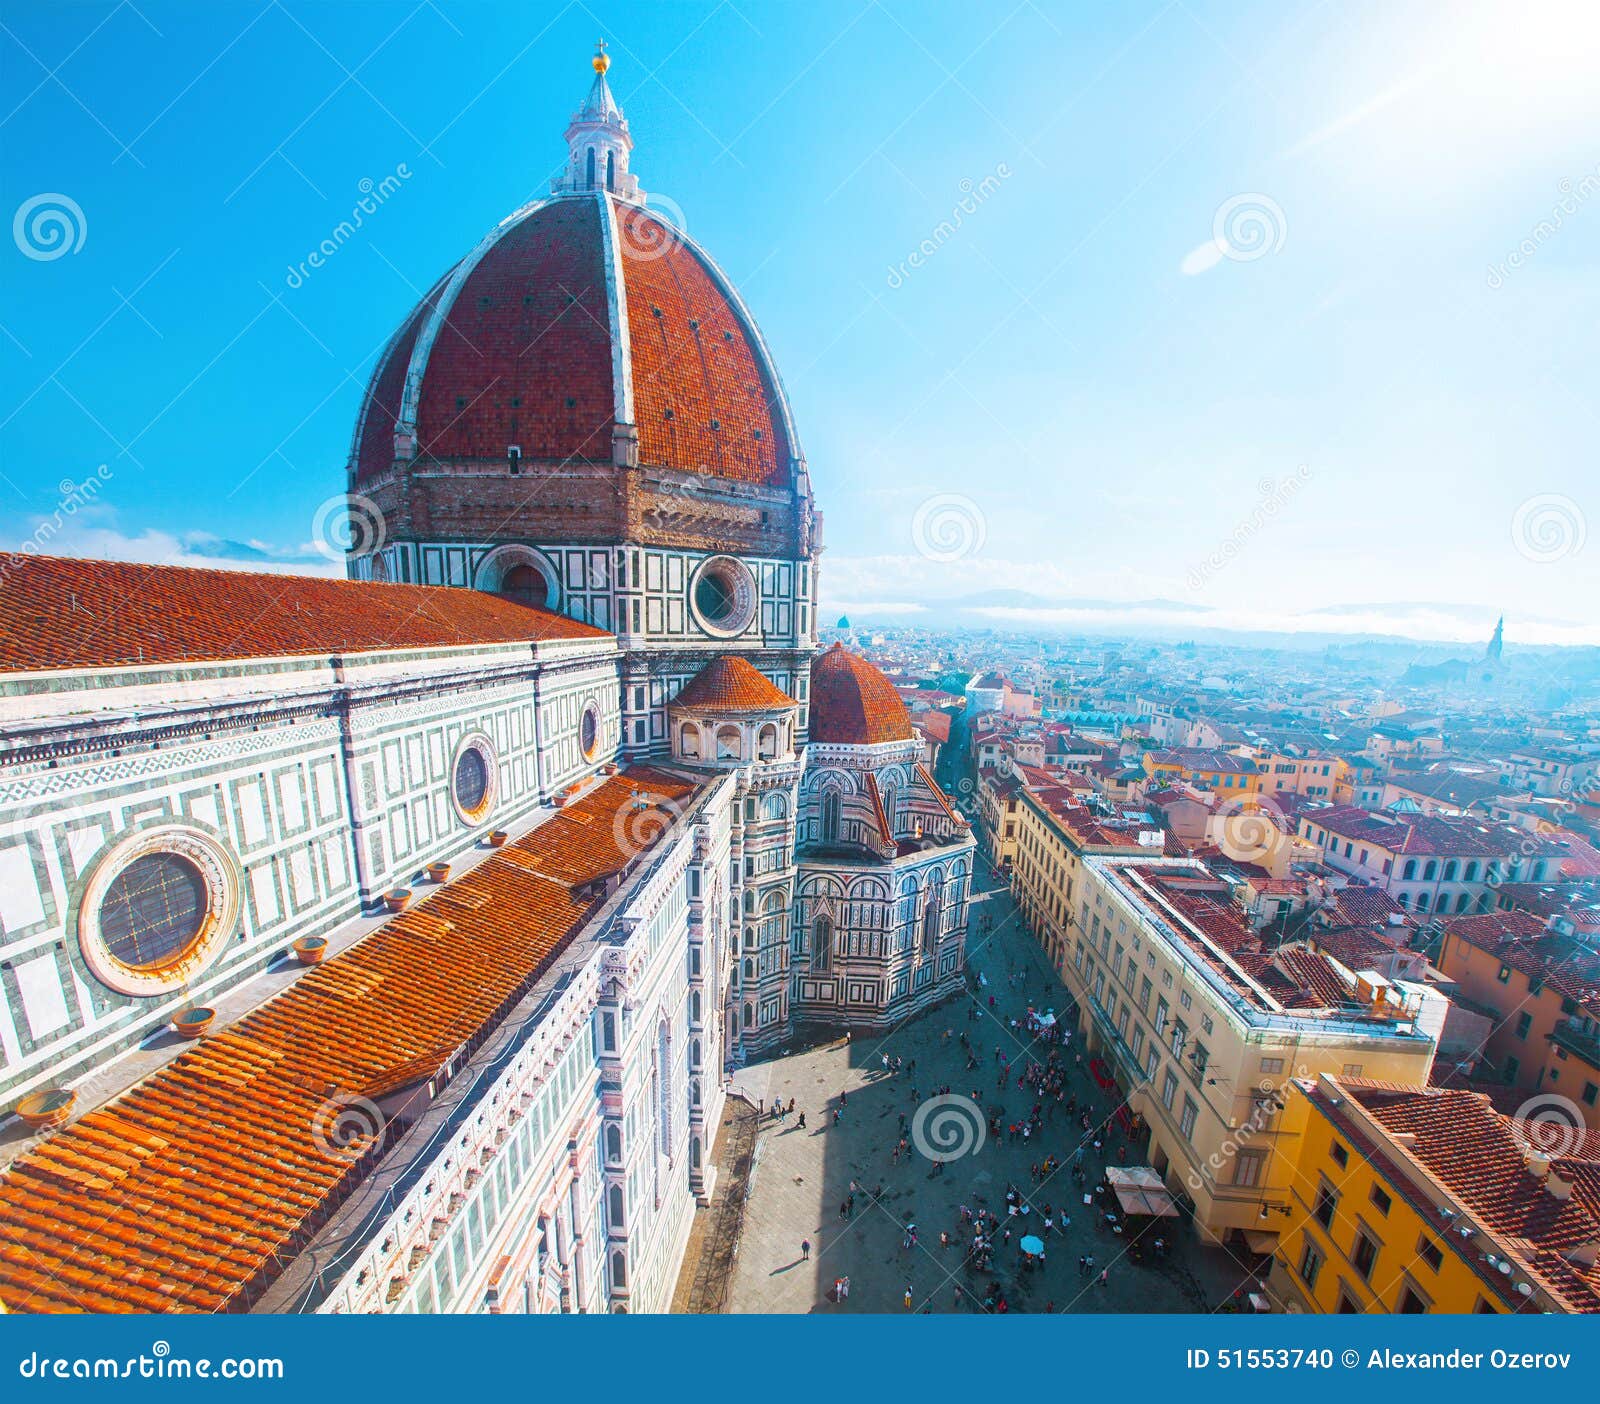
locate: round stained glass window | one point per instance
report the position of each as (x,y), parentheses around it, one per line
(153,911)
(589,733)
(472,780)
(713,597)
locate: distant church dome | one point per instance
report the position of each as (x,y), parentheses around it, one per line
(583,327)
(853,704)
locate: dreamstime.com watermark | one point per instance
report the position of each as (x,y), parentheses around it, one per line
(74,498)
(948,1127)
(1573,195)
(373,195)
(973,195)
(159,1364)
(1276,494)
(49,226)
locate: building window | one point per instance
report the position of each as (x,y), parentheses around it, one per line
(1364,1257)
(1310,1263)
(728,743)
(1169,1089)
(1412,1302)
(1247,1168)
(830,816)
(589,732)
(1429,1252)
(1351,1070)
(1272,1065)
(1524,1023)
(1341,1156)
(471,784)
(526,585)
(1326,1204)
(1187,1120)
(821,944)
(153,911)
(1381,1199)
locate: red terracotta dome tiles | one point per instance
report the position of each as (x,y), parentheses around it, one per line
(853,704)
(731,684)
(701,399)
(524,355)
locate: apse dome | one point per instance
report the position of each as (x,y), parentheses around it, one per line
(853,704)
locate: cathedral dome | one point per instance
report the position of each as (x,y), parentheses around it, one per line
(853,704)
(731,684)
(584,328)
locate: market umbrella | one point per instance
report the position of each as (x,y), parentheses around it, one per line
(1032,1244)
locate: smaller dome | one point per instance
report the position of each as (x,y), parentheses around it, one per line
(730,684)
(853,704)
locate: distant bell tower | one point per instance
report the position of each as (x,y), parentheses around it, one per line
(1497,643)
(598,143)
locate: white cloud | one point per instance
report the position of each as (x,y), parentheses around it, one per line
(1201,259)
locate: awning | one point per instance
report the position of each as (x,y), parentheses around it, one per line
(1259,1242)
(1140,1190)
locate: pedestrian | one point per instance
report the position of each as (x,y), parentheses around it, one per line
(844,1288)
(801,1124)
(1104,1273)
(805,1250)
(908,1296)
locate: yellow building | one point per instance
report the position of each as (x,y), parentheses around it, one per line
(1420,1199)
(1318,776)
(1201,1026)
(1221,771)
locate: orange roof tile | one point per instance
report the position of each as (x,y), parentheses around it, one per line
(57,612)
(853,704)
(191,1191)
(730,684)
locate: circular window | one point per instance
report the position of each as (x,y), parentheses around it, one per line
(153,910)
(156,908)
(589,732)
(525,584)
(723,596)
(472,778)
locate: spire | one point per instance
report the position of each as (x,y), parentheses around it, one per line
(598,143)
(1497,643)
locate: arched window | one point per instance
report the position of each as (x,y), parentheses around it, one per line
(775,806)
(619,1259)
(821,944)
(1450,871)
(611,170)
(1422,901)
(749,1015)
(1429,871)
(1462,901)
(767,742)
(664,1087)
(1404,899)
(589,183)
(613,1143)
(930,922)
(1410,869)
(614,1207)
(1471,873)
(830,816)
(526,585)
(1536,873)
(728,743)
(689,740)
(891,798)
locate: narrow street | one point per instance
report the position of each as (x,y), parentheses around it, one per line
(801,1178)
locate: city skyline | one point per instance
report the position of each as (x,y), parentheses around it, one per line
(1366,344)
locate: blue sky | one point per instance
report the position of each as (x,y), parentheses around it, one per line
(1379,414)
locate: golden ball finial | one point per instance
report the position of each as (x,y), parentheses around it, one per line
(602,60)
